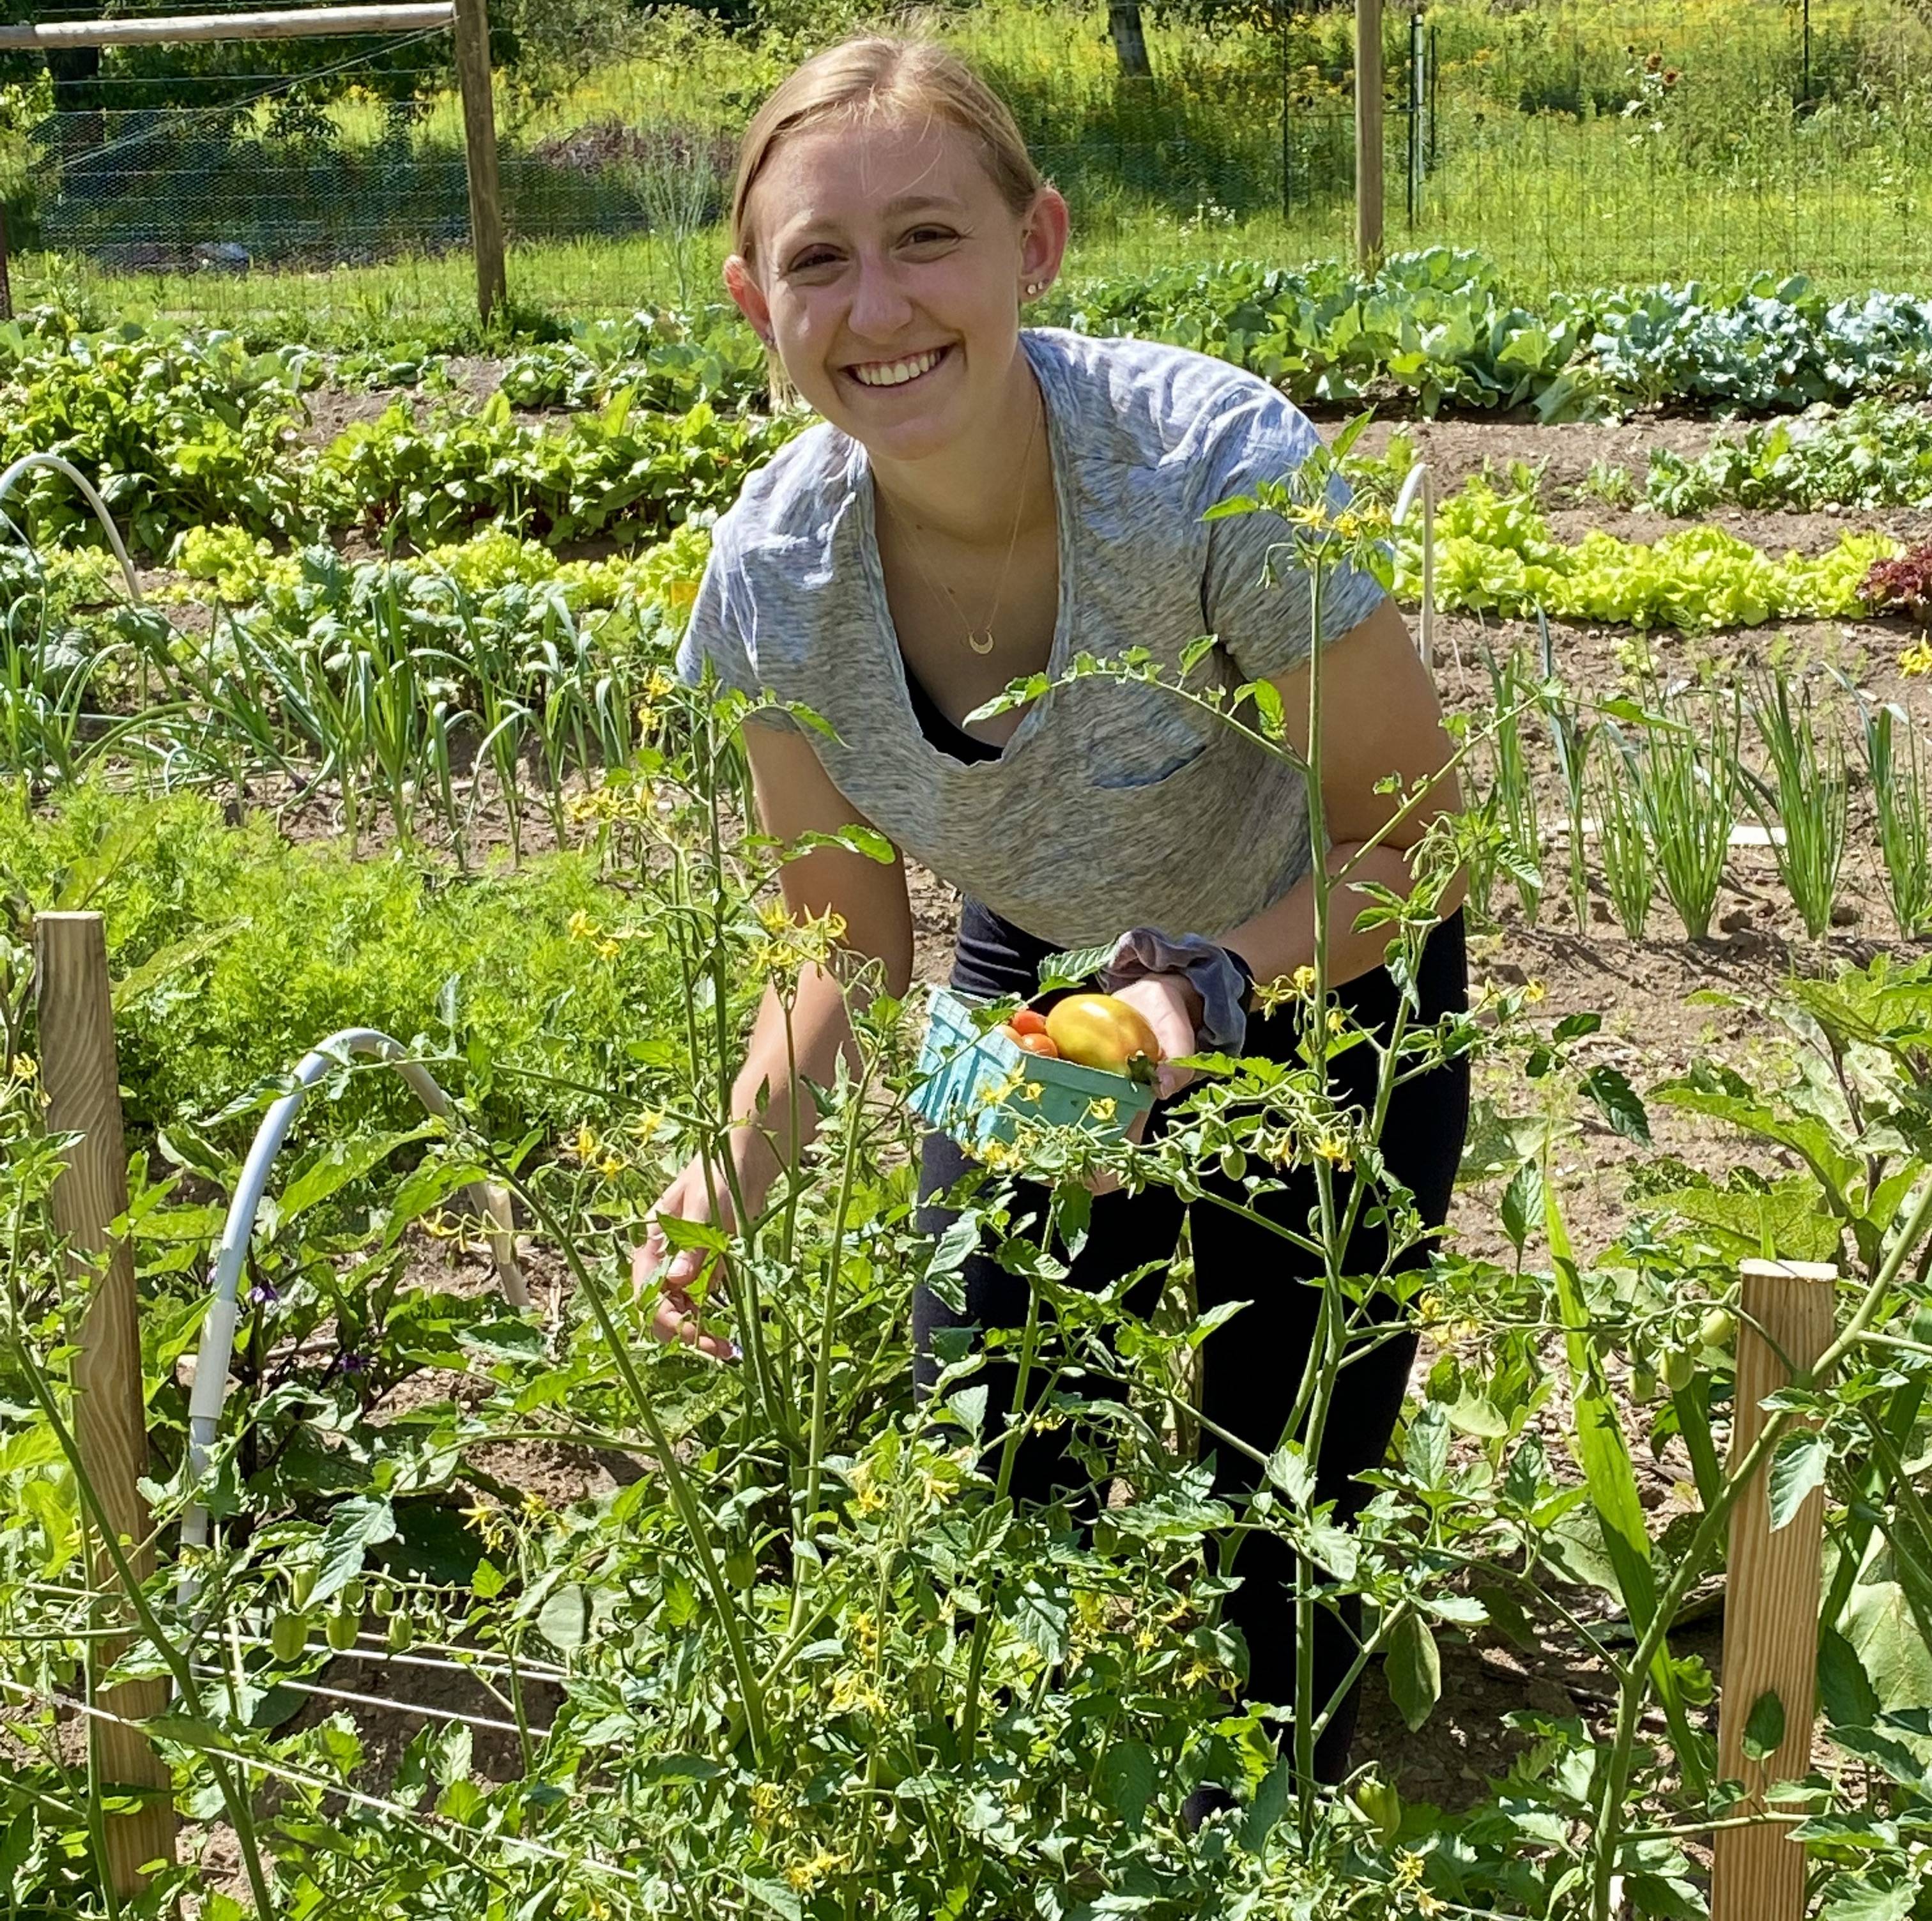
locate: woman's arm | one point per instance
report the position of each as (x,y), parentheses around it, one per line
(1379,716)
(795,796)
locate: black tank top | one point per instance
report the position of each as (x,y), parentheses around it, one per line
(991,955)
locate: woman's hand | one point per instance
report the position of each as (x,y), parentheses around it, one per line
(689,1198)
(1169,1005)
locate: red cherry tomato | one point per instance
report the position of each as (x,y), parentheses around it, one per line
(1041,1044)
(1028,1020)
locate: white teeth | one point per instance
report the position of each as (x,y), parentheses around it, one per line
(895,373)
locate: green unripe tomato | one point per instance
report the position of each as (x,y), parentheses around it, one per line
(1680,1369)
(343,1627)
(1717,1329)
(402,1631)
(1234,1163)
(382,1600)
(288,1636)
(1643,1384)
(741,1567)
(1382,1803)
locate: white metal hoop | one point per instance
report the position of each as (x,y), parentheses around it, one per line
(231,1252)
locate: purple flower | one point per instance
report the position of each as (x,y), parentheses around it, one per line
(353,1363)
(263,1294)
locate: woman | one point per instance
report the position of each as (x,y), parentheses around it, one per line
(980,503)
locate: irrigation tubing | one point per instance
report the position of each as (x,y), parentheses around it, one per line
(231,1252)
(27,462)
(1421,482)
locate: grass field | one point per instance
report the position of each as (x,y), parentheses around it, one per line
(1574,145)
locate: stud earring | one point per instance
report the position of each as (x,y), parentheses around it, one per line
(1035,288)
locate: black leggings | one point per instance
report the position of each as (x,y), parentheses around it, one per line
(1252,1363)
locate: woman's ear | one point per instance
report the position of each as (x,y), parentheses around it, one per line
(1043,237)
(744,288)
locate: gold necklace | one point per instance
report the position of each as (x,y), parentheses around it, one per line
(979,645)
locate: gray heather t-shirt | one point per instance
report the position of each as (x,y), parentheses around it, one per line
(1112,805)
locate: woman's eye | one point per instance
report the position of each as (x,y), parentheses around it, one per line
(924,236)
(817,257)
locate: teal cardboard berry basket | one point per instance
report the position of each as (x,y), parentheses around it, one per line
(979,1087)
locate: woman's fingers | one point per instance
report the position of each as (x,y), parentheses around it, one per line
(676,1323)
(675,1319)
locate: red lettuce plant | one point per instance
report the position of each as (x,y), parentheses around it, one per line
(1903,586)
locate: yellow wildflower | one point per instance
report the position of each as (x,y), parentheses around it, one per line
(1534,991)
(580,926)
(25,1067)
(804,1876)
(438,1225)
(1916,660)
(1332,1148)
(851,1689)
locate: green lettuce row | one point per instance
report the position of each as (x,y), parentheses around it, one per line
(1494,554)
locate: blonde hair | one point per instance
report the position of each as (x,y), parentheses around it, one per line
(878,78)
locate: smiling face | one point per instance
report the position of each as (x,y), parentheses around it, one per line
(888,270)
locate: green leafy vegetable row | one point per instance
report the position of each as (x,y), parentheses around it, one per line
(1495,553)
(1871,455)
(1438,329)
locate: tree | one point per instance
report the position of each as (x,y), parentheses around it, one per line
(1124,23)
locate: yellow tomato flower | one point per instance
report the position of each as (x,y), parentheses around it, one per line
(1916,660)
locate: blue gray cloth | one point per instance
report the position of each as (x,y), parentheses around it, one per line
(1114,804)
(1214,973)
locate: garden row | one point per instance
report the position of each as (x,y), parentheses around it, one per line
(185,430)
(1660,779)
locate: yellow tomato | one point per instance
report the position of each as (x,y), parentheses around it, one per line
(1102,1030)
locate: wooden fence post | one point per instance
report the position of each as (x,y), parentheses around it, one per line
(79,1072)
(1771,1598)
(479,137)
(1368,134)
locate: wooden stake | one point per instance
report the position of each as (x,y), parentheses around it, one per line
(6,270)
(1368,134)
(1770,1599)
(291,23)
(479,136)
(80,1073)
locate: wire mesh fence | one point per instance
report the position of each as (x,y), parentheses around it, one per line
(1575,141)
